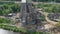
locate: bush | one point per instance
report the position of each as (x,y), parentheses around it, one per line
(6,8)
(49,7)
(5,20)
(34,32)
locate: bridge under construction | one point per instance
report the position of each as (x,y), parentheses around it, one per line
(28,12)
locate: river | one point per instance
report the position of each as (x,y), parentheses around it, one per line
(2,31)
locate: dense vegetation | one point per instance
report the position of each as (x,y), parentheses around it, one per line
(5,20)
(47,0)
(6,8)
(33,0)
(49,7)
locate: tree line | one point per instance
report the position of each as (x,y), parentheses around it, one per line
(47,0)
(49,7)
(6,8)
(35,0)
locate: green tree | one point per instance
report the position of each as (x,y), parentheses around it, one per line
(15,8)
(5,12)
(4,20)
(7,8)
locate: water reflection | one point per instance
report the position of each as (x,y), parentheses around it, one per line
(2,31)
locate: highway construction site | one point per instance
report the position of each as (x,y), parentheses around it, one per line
(30,19)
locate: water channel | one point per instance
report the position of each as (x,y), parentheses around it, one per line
(2,31)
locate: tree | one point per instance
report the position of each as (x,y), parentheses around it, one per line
(7,8)
(4,20)
(5,12)
(56,9)
(15,8)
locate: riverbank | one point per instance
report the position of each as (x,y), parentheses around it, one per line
(15,29)
(12,28)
